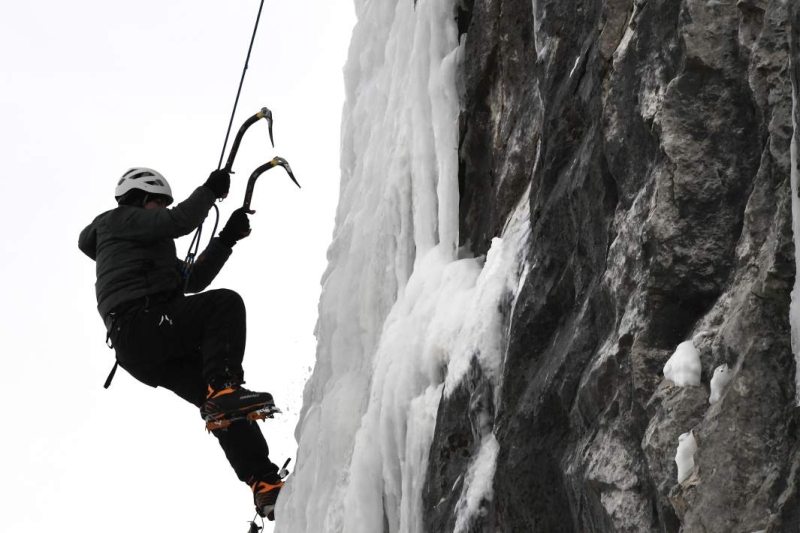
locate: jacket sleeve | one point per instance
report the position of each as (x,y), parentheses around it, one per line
(87,242)
(207,265)
(154,224)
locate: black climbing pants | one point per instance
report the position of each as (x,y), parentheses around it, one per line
(180,344)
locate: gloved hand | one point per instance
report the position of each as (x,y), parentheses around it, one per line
(237,227)
(219,181)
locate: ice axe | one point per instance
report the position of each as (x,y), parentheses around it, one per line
(251,183)
(195,244)
(263,113)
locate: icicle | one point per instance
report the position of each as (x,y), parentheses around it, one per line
(794,310)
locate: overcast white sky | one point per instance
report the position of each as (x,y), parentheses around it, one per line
(87,89)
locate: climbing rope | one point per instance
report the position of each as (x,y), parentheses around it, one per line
(188,262)
(241,82)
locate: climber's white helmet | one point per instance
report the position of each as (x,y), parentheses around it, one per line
(145,179)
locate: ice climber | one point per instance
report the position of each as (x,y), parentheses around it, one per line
(192,345)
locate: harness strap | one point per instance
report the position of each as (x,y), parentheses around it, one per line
(112,319)
(122,312)
(107,384)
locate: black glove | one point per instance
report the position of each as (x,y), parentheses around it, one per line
(219,181)
(237,228)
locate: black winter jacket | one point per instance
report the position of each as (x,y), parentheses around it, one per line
(135,254)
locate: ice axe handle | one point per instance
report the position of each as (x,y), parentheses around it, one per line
(263,113)
(251,183)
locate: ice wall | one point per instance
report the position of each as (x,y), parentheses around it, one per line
(398,212)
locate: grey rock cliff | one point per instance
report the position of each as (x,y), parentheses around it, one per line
(653,139)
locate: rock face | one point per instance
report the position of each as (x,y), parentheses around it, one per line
(653,139)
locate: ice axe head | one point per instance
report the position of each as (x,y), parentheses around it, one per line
(267,114)
(263,113)
(279,161)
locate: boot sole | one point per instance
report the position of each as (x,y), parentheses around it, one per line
(224,420)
